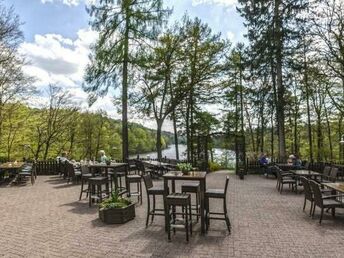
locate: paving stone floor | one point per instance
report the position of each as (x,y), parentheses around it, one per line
(47,220)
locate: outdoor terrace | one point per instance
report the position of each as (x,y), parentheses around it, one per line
(47,220)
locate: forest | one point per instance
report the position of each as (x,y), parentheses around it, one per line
(281,90)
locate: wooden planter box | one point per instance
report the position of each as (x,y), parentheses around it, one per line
(118,215)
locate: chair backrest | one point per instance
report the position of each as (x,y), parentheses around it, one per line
(84,169)
(278,174)
(316,193)
(334,172)
(140,166)
(327,171)
(307,165)
(70,169)
(226,185)
(307,188)
(148,181)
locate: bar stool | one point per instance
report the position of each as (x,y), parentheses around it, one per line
(119,176)
(182,200)
(153,191)
(217,194)
(95,186)
(85,175)
(193,187)
(134,179)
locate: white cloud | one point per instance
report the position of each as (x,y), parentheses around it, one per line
(217,2)
(58,60)
(231,36)
(69,2)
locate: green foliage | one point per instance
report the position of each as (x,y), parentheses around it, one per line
(214,166)
(184,167)
(115,201)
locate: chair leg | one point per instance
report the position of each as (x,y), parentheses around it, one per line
(186,223)
(226,215)
(169,223)
(140,193)
(206,214)
(148,209)
(190,216)
(90,196)
(333,212)
(153,208)
(321,215)
(82,189)
(304,204)
(310,211)
(313,211)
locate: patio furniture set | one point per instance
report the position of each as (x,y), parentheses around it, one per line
(179,210)
(320,189)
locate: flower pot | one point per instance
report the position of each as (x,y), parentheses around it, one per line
(185,172)
(117,215)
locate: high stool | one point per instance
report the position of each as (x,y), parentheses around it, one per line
(152,191)
(182,200)
(193,187)
(84,181)
(119,176)
(95,186)
(134,179)
(217,194)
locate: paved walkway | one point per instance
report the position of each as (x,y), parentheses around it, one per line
(46,220)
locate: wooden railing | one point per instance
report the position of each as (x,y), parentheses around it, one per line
(47,167)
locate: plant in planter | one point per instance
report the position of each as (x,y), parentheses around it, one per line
(116,209)
(184,167)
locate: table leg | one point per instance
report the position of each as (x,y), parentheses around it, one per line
(165,206)
(202,200)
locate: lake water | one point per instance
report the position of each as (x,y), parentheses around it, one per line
(223,156)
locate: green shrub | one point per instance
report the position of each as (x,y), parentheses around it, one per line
(213,166)
(114,201)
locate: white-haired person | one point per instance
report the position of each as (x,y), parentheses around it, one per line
(103,157)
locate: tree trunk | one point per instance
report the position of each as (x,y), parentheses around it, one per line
(329,133)
(280,86)
(175,134)
(125,140)
(158,139)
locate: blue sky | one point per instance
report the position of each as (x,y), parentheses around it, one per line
(57,39)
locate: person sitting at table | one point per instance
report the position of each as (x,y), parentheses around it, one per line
(297,162)
(63,158)
(103,157)
(291,159)
(263,161)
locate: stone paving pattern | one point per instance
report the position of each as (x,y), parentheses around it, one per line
(47,220)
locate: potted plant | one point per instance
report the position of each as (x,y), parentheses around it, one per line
(116,209)
(184,167)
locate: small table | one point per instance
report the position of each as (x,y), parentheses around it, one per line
(12,166)
(339,187)
(190,176)
(305,173)
(114,166)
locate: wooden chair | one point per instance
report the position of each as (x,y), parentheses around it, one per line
(85,175)
(174,200)
(285,178)
(28,171)
(308,193)
(324,201)
(217,194)
(153,191)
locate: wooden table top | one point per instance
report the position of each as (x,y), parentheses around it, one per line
(12,165)
(192,175)
(339,187)
(155,163)
(103,165)
(304,172)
